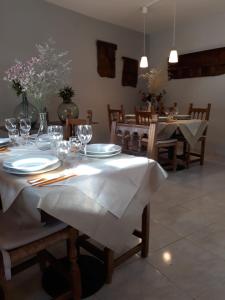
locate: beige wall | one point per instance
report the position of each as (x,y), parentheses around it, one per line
(23,23)
(204,34)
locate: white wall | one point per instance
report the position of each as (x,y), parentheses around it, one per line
(25,23)
(205,34)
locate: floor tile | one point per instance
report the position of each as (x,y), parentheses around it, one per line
(139,280)
(189,267)
(161,236)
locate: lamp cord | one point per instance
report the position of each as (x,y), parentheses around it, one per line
(174,23)
(144,33)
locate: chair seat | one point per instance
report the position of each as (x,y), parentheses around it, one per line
(160,142)
(12,236)
(169,141)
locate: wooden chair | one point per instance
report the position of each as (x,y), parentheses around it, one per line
(142,117)
(201,114)
(71,123)
(34,244)
(115,115)
(107,255)
(170,145)
(70,126)
(90,117)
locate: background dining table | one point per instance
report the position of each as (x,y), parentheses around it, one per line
(191,129)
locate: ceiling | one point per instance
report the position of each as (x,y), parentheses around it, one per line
(127,13)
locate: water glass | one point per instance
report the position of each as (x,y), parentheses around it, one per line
(55,133)
(14,136)
(63,149)
(84,133)
(75,144)
(10,124)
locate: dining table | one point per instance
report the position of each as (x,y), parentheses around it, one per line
(190,129)
(103,198)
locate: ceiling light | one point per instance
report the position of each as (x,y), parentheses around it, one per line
(144,59)
(173,58)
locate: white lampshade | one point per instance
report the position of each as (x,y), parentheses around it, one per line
(144,62)
(173,58)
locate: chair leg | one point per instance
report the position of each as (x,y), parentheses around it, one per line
(187,156)
(145,231)
(109,263)
(75,272)
(202,152)
(174,162)
(42,261)
(2,294)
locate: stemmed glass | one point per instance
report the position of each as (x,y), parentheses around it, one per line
(84,133)
(25,127)
(11,126)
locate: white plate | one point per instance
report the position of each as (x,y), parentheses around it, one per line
(4,141)
(102,149)
(102,155)
(182,117)
(163,118)
(30,163)
(48,169)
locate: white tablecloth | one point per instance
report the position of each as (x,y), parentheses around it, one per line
(105,201)
(192,129)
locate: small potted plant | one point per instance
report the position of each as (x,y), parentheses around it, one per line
(67,107)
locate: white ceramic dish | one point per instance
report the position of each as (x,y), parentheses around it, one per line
(163,119)
(48,169)
(182,117)
(102,149)
(102,155)
(4,142)
(30,163)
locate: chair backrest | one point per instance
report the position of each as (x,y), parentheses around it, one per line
(130,137)
(70,126)
(200,113)
(143,117)
(115,115)
(90,117)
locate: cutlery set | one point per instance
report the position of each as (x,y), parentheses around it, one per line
(44,181)
(4,149)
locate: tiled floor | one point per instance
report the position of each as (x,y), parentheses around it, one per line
(187,245)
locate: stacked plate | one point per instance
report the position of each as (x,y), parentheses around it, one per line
(182,117)
(102,150)
(4,142)
(31,164)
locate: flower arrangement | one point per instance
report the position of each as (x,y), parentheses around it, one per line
(41,76)
(66,93)
(155,80)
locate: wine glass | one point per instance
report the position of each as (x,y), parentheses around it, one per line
(25,127)
(10,124)
(84,133)
(55,133)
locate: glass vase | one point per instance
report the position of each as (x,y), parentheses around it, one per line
(26,110)
(42,139)
(67,108)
